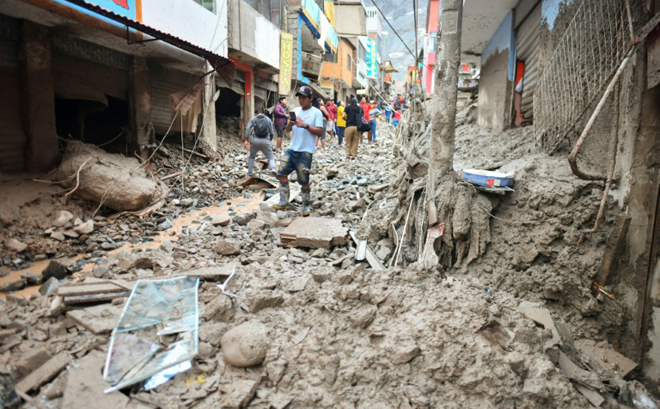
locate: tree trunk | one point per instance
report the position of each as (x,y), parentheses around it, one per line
(462,211)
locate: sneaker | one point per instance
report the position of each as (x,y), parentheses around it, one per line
(273,173)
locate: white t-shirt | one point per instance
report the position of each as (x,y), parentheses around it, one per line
(301,139)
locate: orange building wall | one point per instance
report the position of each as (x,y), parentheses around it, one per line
(339,70)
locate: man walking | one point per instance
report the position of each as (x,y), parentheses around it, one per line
(352,115)
(298,158)
(280,120)
(341,123)
(373,123)
(332,114)
(263,133)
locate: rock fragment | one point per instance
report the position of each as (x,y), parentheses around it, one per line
(238,394)
(15,245)
(228,248)
(245,345)
(62,217)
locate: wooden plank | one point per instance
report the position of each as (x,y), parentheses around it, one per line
(44,373)
(613,248)
(371,257)
(94,298)
(210,273)
(361,250)
(102,287)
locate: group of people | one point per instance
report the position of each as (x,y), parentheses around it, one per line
(309,124)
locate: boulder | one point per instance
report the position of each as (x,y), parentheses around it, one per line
(245,345)
(15,245)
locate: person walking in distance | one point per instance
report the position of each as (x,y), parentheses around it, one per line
(365,109)
(341,122)
(306,124)
(332,114)
(280,120)
(352,114)
(263,133)
(373,124)
(318,104)
(388,113)
(397,117)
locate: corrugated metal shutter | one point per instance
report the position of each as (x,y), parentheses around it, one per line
(527,50)
(77,78)
(12,138)
(164,81)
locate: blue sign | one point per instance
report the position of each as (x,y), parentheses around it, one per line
(372,59)
(126,8)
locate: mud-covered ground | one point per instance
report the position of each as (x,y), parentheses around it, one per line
(334,332)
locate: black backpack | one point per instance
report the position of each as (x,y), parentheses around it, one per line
(362,123)
(261,126)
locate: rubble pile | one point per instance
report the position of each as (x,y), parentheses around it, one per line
(325,321)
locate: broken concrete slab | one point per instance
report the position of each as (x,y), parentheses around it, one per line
(100,319)
(542,316)
(92,292)
(31,360)
(215,273)
(44,373)
(238,394)
(608,358)
(85,386)
(315,232)
(228,248)
(220,220)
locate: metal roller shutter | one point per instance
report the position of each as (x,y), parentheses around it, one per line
(164,81)
(527,50)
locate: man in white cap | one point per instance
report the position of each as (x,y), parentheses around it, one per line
(307,126)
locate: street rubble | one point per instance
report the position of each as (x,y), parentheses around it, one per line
(330,311)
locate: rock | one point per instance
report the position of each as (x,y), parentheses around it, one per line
(62,217)
(15,245)
(319,253)
(71,234)
(243,218)
(31,278)
(220,220)
(49,286)
(384,253)
(13,285)
(187,202)
(219,309)
(405,353)
(164,225)
(238,394)
(363,316)
(85,228)
(262,301)
(32,359)
(256,226)
(245,345)
(57,236)
(56,268)
(228,248)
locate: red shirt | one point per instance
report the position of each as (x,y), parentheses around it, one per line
(397,115)
(332,111)
(365,109)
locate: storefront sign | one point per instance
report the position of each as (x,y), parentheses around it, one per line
(286,61)
(372,59)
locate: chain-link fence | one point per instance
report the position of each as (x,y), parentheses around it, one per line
(585,58)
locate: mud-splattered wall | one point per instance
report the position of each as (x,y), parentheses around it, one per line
(497,65)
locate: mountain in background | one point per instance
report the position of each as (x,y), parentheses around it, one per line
(401,14)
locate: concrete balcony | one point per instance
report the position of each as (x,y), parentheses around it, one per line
(311,65)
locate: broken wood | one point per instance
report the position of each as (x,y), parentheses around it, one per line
(201,155)
(340,260)
(370,256)
(216,273)
(613,248)
(170,176)
(361,253)
(44,373)
(429,258)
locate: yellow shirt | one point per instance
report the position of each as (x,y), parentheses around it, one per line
(341,122)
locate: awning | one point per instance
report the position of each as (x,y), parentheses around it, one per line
(223,66)
(319,25)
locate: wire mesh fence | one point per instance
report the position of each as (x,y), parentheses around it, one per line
(585,58)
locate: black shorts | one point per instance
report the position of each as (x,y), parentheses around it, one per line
(280,130)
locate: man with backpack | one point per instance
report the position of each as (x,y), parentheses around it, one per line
(263,133)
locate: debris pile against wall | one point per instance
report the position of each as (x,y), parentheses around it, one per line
(329,327)
(114,180)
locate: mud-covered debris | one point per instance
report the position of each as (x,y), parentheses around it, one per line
(15,245)
(44,373)
(58,269)
(245,345)
(85,386)
(100,319)
(315,232)
(238,394)
(228,248)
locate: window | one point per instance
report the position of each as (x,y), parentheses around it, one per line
(349,60)
(432,40)
(207,4)
(330,57)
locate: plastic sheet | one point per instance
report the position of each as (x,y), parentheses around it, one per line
(157,332)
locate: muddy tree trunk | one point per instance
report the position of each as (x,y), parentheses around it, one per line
(462,211)
(448,54)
